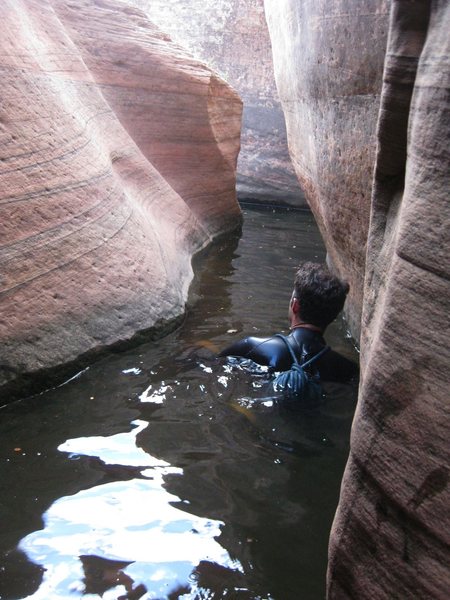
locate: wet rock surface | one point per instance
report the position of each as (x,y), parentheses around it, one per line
(391,533)
(231,36)
(328,60)
(118,154)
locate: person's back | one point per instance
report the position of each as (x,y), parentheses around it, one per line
(317,299)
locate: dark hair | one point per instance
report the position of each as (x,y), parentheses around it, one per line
(321,295)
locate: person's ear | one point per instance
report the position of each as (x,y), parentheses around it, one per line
(295,305)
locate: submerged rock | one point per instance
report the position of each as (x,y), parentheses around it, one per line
(118,161)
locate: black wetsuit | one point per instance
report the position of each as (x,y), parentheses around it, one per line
(305,343)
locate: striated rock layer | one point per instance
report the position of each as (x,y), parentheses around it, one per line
(328,59)
(390,538)
(117,162)
(391,535)
(232,37)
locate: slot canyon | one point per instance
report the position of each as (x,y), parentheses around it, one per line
(122,156)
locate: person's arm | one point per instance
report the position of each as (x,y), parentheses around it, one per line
(264,351)
(241,348)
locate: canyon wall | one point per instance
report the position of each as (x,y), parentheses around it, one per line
(391,535)
(373,157)
(328,59)
(117,162)
(232,37)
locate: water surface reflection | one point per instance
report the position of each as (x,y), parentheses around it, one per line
(159,474)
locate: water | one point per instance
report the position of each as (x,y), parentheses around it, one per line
(156,474)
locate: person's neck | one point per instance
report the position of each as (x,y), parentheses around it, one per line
(301,325)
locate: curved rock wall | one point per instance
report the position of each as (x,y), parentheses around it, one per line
(328,59)
(117,162)
(232,37)
(391,535)
(390,538)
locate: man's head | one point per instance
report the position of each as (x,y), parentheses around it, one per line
(318,295)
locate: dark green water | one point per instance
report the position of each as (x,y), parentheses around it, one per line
(155,474)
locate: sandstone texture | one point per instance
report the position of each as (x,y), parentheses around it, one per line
(391,535)
(232,37)
(381,174)
(117,162)
(328,60)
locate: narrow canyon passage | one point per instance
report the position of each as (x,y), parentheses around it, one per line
(123,152)
(164,470)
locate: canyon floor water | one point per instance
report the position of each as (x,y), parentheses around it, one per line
(164,472)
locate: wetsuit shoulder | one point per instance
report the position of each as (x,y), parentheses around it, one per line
(268,351)
(332,366)
(239,348)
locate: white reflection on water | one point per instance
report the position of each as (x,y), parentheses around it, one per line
(134,521)
(223,380)
(127,520)
(157,396)
(119,449)
(133,370)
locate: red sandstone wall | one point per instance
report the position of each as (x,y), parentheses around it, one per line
(391,535)
(328,59)
(117,162)
(231,36)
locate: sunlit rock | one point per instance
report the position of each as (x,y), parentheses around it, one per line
(328,60)
(232,37)
(392,531)
(117,162)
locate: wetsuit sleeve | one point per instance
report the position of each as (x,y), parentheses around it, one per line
(240,348)
(264,351)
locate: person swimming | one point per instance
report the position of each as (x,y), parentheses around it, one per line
(318,297)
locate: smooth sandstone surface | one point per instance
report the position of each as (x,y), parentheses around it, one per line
(390,538)
(391,535)
(117,162)
(328,60)
(232,37)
